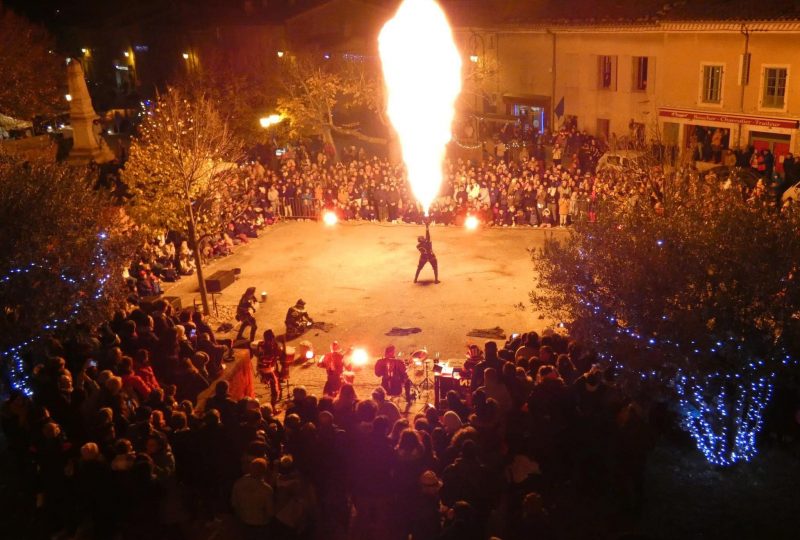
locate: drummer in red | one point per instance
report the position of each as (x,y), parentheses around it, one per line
(335,365)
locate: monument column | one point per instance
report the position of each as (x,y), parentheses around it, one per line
(86,145)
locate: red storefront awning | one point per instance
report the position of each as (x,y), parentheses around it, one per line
(728,118)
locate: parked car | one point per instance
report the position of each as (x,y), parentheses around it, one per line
(741,175)
(792,194)
(622,160)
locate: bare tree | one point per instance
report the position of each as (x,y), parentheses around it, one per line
(318,93)
(183,173)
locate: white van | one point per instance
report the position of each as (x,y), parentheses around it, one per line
(792,194)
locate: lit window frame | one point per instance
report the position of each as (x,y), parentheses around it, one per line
(612,62)
(705,87)
(641,84)
(762,94)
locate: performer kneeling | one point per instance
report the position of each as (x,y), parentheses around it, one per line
(426,255)
(297,320)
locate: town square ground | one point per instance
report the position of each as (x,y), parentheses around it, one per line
(358,279)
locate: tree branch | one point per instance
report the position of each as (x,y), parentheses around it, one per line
(358,135)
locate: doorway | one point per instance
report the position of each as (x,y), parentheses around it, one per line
(530,114)
(776,143)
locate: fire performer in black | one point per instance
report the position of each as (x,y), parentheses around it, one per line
(426,254)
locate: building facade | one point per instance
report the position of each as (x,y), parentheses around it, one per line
(689,84)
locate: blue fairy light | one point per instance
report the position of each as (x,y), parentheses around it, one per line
(711,415)
(722,412)
(17,372)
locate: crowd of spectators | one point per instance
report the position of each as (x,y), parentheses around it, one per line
(512,186)
(114,444)
(548,183)
(522,179)
(167,257)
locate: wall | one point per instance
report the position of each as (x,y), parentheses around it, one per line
(675,59)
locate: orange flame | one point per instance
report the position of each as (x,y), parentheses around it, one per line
(422,72)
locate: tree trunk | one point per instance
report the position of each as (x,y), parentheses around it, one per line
(327,139)
(198,261)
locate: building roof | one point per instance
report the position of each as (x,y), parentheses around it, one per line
(348,6)
(605,12)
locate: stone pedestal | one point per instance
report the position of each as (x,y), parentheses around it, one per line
(87,145)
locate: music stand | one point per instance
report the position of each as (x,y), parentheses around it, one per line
(426,384)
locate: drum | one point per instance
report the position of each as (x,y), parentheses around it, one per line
(417,362)
(419,354)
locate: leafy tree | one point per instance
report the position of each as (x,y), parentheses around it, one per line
(32,75)
(242,81)
(699,292)
(317,93)
(65,246)
(183,174)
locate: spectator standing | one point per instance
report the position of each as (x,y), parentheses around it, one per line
(252,500)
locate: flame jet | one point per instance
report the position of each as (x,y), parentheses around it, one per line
(422,72)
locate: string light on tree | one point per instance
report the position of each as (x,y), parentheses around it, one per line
(672,299)
(466,146)
(17,371)
(724,430)
(722,412)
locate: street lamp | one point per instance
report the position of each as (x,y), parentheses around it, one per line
(270,120)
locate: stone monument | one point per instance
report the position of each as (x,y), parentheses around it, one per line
(87,144)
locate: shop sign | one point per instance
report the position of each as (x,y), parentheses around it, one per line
(702,116)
